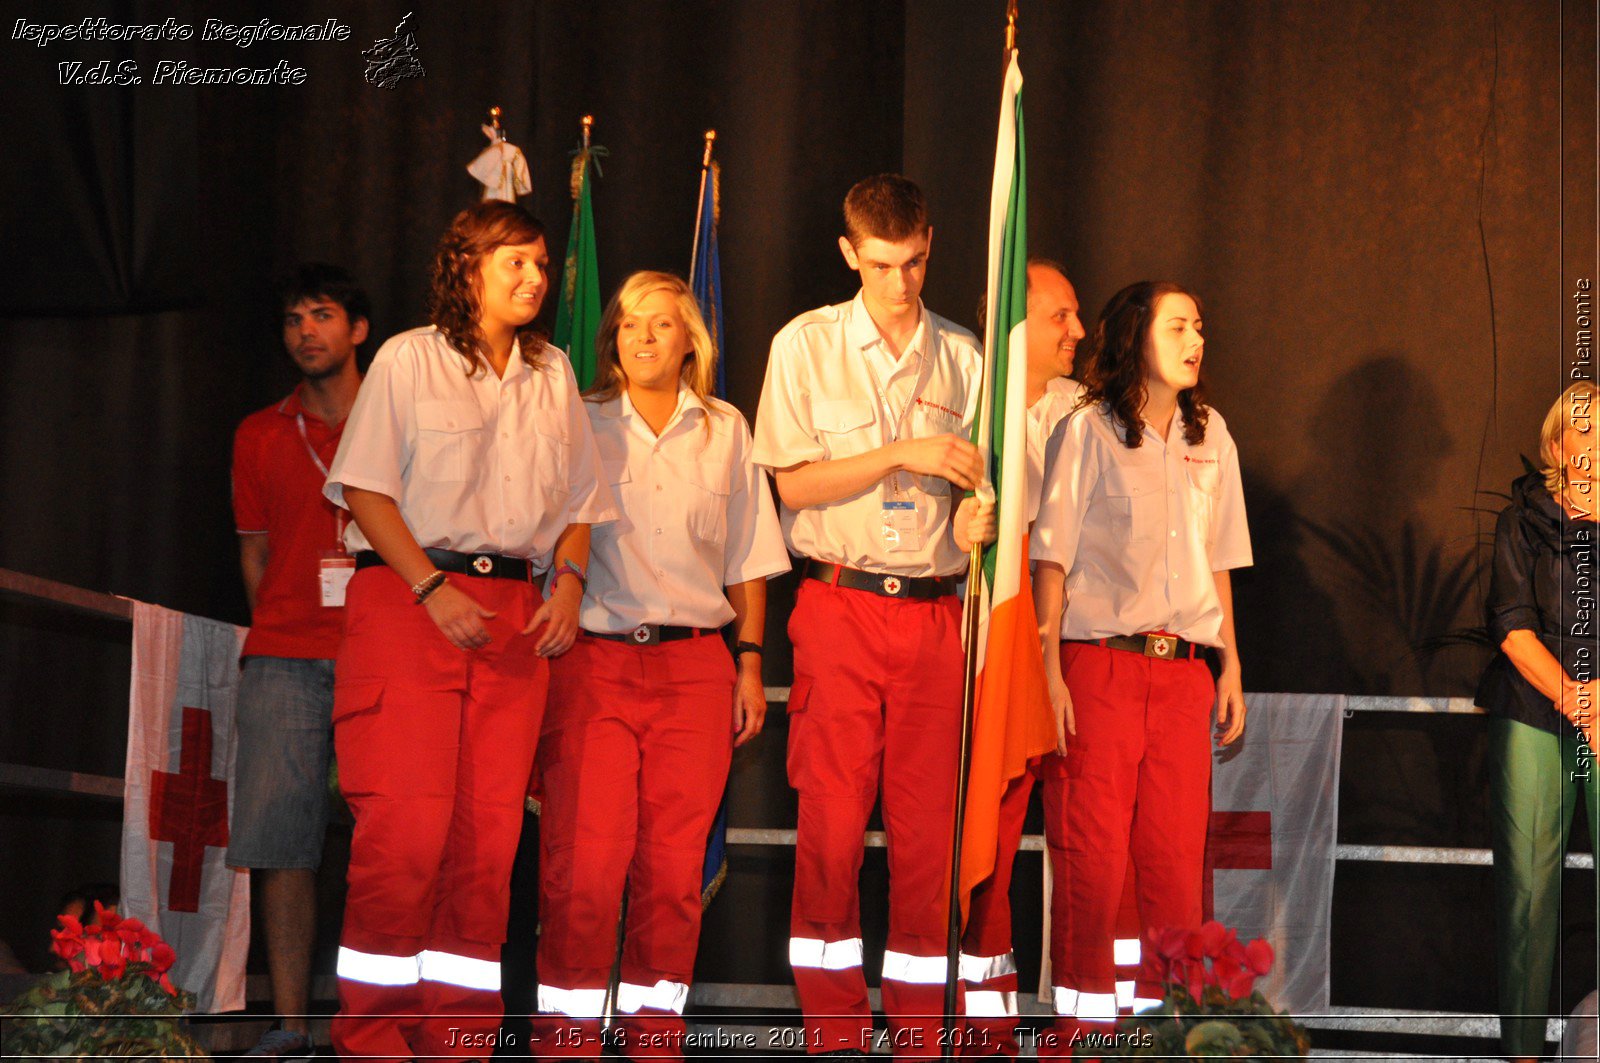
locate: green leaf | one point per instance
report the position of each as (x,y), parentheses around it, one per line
(1213,1038)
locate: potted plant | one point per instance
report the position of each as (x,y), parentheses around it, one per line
(1211,1007)
(113,999)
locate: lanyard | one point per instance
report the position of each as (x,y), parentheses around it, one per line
(316,459)
(897,420)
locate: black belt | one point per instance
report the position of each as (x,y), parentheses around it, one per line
(1161,647)
(879,583)
(487,566)
(652,634)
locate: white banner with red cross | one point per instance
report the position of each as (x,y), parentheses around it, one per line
(178,799)
(1274,833)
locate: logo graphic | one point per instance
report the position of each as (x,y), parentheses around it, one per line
(482,565)
(641,634)
(891,584)
(392,60)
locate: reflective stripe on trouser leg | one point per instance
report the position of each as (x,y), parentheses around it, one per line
(433,745)
(568,1022)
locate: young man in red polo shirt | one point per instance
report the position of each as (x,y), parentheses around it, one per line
(294,574)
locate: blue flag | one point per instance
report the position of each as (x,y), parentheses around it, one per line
(705,269)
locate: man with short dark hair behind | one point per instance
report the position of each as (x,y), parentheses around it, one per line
(294,570)
(864,422)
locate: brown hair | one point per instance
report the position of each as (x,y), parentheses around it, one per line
(455,296)
(1116,371)
(885,206)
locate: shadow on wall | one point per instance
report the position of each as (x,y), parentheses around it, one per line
(1378,577)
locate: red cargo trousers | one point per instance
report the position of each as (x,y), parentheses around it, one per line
(633,759)
(876,699)
(434,748)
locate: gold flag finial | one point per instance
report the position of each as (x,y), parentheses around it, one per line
(588,127)
(1011,26)
(494,123)
(711,138)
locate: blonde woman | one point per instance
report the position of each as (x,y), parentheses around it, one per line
(647,706)
(1541,694)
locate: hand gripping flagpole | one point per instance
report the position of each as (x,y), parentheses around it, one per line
(969,690)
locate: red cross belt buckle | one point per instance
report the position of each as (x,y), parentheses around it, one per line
(891,585)
(1162,646)
(483,564)
(641,634)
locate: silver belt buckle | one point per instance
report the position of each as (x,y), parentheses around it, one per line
(1161,646)
(892,586)
(645,635)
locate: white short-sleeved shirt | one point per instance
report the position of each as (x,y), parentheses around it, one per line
(1139,532)
(696,516)
(833,390)
(478,464)
(1059,398)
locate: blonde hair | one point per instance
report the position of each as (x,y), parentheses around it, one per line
(699,365)
(1576,405)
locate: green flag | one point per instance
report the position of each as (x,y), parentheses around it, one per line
(578,314)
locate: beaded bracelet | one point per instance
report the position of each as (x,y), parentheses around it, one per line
(427,585)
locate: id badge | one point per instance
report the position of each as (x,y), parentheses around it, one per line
(902,532)
(334,570)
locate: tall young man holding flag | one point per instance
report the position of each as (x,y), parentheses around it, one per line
(863,421)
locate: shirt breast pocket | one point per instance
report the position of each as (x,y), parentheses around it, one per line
(1205,484)
(1133,500)
(927,421)
(709,487)
(552,458)
(447,440)
(842,426)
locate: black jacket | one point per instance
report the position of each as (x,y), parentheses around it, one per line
(1544,581)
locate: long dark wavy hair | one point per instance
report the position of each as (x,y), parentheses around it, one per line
(455,295)
(1116,372)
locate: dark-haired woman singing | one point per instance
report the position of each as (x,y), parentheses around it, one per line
(1141,521)
(471,473)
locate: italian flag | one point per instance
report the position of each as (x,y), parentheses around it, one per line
(1011,716)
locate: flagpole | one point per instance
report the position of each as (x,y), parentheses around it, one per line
(969,682)
(700,202)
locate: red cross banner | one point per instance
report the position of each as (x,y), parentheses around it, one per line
(177,801)
(1271,846)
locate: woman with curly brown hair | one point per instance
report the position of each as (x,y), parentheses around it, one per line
(1141,521)
(471,476)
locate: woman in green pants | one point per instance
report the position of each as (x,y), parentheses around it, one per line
(1542,694)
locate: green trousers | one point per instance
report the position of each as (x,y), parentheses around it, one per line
(1534,781)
